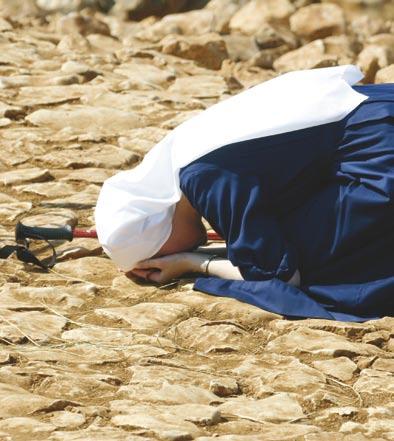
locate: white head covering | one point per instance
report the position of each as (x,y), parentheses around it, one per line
(135,207)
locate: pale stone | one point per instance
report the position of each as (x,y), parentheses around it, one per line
(382,364)
(75,23)
(80,119)
(146,317)
(22,176)
(56,217)
(370,60)
(48,189)
(105,156)
(319,342)
(36,326)
(15,401)
(95,433)
(310,56)
(169,394)
(34,96)
(24,426)
(224,387)
(318,21)
(200,414)
(212,336)
(273,372)
(69,420)
(385,75)
(88,174)
(144,74)
(255,13)
(341,368)
(197,22)
(11,210)
(75,387)
(21,298)
(202,86)
(95,270)
(277,408)
(372,381)
(86,198)
(206,50)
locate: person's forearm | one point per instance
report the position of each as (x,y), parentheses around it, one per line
(217,267)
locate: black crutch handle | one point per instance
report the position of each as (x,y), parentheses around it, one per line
(23,232)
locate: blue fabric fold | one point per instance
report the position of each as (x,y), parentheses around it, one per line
(320,200)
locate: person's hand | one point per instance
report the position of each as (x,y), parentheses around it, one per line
(163,269)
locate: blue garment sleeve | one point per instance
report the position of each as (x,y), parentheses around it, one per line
(235,206)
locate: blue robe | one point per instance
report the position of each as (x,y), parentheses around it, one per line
(320,200)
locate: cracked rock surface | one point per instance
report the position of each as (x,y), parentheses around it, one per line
(87,87)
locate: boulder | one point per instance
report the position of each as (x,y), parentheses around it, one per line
(254,14)
(75,23)
(318,21)
(310,56)
(140,9)
(188,23)
(271,36)
(74,5)
(206,50)
(223,11)
(385,75)
(371,59)
(240,47)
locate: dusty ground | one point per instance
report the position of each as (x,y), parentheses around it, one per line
(89,355)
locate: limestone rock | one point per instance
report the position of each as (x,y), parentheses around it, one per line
(140,9)
(22,176)
(104,155)
(211,336)
(17,402)
(72,5)
(255,13)
(206,50)
(224,387)
(145,317)
(201,86)
(385,75)
(372,381)
(169,394)
(272,36)
(370,60)
(82,119)
(20,298)
(24,426)
(223,11)
(318,21)
(89,174)
(277,408)
(66,419)
(96,433)
(75,23)
(240,47)
(18,327)
(319,342)
(48,189)
(341,368)
(196,22)
(90,269)
(310,56)
(384,365)
(164,425)
(266,374)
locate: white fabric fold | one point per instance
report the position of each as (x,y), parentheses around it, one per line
(135,207)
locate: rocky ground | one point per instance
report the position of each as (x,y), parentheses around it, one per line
(88,355)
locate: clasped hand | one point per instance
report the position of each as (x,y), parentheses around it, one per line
(163,269)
